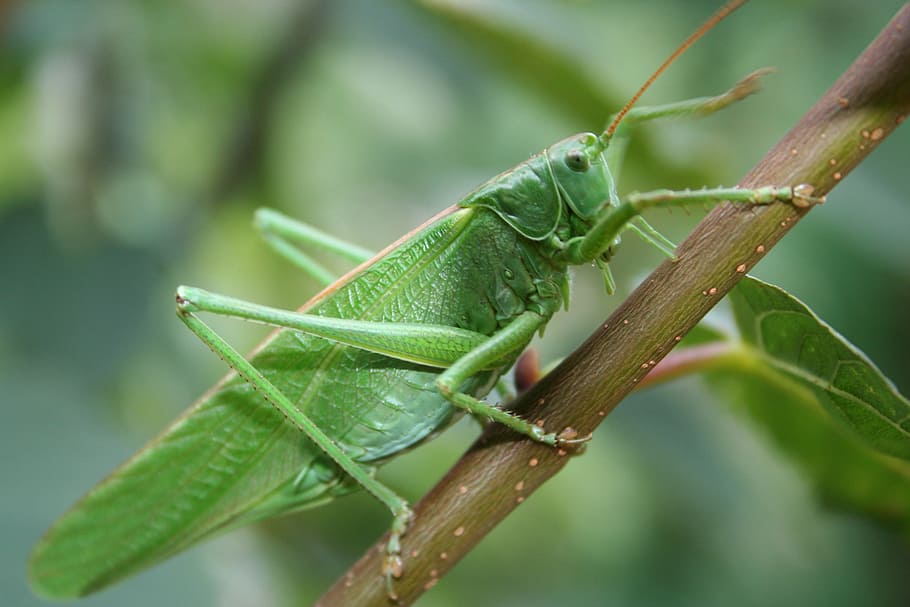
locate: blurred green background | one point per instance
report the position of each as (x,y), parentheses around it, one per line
(138,137)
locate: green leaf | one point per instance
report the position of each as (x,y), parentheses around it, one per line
(844,470)
(822,402)
(790,339)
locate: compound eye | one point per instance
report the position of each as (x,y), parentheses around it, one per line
(577,161)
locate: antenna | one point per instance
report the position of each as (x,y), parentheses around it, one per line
(725,10)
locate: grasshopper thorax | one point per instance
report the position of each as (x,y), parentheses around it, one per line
(562,187)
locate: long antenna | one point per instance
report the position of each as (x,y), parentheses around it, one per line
(725,10)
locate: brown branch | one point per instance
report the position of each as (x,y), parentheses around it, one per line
(500,470)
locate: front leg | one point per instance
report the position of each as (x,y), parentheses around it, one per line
(614,219)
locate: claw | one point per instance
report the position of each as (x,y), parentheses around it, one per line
(803,198)
(393,564)
(750,84)
(569,438)
(392,569)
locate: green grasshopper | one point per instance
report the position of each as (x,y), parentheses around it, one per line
(379,361)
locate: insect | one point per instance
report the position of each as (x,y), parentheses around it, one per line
(380,360)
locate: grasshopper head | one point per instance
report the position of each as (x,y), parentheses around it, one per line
(581,174)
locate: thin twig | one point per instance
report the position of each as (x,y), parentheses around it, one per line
(500,470)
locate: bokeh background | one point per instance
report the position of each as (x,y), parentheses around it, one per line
(136,139)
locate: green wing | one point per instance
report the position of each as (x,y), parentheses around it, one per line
(233,458)
(230,459)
